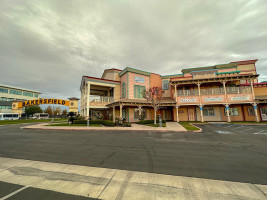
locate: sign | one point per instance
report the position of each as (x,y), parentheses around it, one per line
(240,98)
(209,99)
(139,79)
(193,100)
(43,101)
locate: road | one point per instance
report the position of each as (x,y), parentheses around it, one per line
(220,152)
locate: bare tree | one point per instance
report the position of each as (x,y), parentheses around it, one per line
(154,96)
(49,110)
(64,112)
(57,111)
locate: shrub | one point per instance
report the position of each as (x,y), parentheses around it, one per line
(149,121)
(103,122)
(126,125)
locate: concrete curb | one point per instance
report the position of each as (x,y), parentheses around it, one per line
(198,131)
(98,129)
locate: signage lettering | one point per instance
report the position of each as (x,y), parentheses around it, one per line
(43,101)
(188,100)
(213,99)
(240,98)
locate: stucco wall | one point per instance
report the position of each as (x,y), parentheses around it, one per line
(124,79)
(132,83)
(260,91)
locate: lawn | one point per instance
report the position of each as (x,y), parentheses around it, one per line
(65,124)
(20,121)
(188,126)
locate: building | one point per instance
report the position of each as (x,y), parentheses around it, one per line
(224,92)
(10,93)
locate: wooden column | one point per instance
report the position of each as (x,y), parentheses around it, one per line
(256,112)
(114,113)
(140,111)
(201,113)
(88,100)
(177,113)
(121,110)
(227,112)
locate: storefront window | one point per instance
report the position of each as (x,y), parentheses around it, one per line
(208,112)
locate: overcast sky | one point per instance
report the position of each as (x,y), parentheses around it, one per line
(49,45)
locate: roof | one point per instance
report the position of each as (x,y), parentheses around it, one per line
(137,71)
(18,88)
(101,79)
(111,69)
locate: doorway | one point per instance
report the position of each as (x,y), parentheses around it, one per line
(191,114)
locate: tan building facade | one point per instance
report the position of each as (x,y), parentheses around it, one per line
(225,92)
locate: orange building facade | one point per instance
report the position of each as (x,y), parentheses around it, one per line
(225,92)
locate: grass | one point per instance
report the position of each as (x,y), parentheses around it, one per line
(65,124)
(188,126)
(155,125)
(20,121)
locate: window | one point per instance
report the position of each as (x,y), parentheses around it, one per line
(16,92)
(3,90)
(138,91)
(232,112)
(251,111)
(165,84)
(208,112)
(29,94)
(123,90)
(3,99)
(36,95)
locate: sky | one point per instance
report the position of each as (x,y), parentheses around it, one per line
(48,45)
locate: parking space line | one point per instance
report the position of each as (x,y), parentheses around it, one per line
(259,132)
(238,127)
(230,126)
(13,193)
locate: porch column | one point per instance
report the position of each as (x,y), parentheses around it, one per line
(177,113)
(114,114)
(121,110)
(252,89)
(227,112)
(201,113)
(175,92)
(224,89)
(256,112)
(155,114)
(140,111)
(88,100)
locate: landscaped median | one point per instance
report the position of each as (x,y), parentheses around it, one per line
(190,127)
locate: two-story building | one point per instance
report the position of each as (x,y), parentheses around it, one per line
(224,92)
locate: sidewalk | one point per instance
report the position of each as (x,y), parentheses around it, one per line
(170,126)
(104,183)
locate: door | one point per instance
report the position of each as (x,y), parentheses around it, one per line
(191,114)
(264,114)
(168,114)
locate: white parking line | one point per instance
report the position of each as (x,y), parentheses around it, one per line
(259,132)
(13,193)
(229,126)
(238,127)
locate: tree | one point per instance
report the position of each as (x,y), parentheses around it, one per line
(57,111)
(49,110)
(30,110)
(64,112)
(154,96)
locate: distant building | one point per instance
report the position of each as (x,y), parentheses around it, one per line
(11,93)
(223,92)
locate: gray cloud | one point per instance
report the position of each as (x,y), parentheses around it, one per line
(48,45)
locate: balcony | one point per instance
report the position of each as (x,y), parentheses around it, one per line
(215,95)
(100,101)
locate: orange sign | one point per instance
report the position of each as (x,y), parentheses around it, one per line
(43,101)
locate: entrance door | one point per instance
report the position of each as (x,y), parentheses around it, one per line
(168,114)
(191,114)
(264,114)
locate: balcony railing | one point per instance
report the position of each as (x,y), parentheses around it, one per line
(215,91)
(100,100)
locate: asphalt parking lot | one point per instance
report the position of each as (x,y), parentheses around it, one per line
(228,152)
(228,128)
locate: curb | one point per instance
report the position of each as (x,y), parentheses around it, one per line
(72,129)
(198,131)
